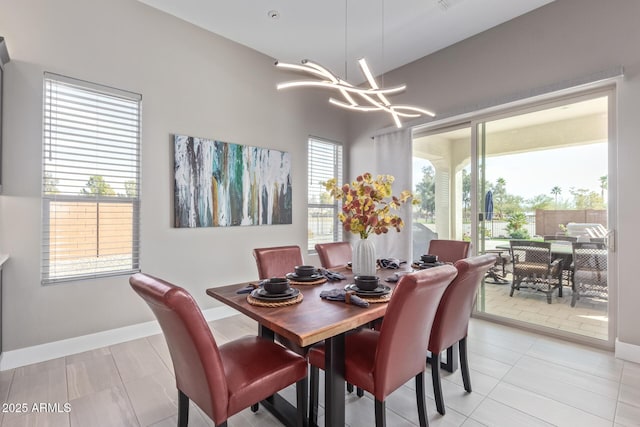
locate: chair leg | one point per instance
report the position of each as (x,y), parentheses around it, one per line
(183,409)
(421,401)
(359,391)
(435,379)
(314,373)
(255,407)
(301,401)
(452,359)
(381,417)
(464,364)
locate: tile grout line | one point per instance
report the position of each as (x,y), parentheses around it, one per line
(615,413)
(562,402)
(66,377)
(526,414)
(124,388)
(13,375)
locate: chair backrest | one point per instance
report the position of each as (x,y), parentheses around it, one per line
(527,251)
(452,318)
(449,250)
(196,360)
(277,261)
(404,334)
(590,263)
(560,238)
(335,254)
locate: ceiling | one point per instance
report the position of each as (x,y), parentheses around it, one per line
(336,33)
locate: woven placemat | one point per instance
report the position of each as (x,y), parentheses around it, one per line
(261,303)
(319,281)
(375,300)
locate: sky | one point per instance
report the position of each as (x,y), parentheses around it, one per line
(537,172)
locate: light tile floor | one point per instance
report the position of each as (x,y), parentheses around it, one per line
(518,378)
(589,317)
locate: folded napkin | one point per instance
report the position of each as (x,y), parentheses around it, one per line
(332,276)
(249,288)
(341,295)
(396,276)
(390,263)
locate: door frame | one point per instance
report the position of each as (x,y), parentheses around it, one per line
(607,87)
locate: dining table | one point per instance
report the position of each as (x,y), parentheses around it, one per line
(310,321)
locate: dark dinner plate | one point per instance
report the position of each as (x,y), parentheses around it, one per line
(423,265)
(312,278)
(262,294)
(377,292)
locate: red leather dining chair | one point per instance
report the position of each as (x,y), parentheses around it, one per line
(277,261)
(335,254)
(382,361)
(449,250)
(452,320)
(222,380)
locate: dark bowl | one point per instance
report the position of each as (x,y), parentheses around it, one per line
(276,285)
(366,283)
(429,258)
(305,270)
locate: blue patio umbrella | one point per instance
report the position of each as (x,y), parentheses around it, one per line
(488,206)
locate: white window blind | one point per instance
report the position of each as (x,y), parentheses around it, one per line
(325,162)
(91,180)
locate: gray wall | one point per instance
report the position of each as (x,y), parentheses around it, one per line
(560,42)
(192,82)
(197,83)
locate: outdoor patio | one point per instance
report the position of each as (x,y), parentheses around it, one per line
(589,316)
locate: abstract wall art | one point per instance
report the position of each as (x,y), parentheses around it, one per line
(223,184)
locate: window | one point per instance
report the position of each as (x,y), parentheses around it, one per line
(90,180)
(325,162)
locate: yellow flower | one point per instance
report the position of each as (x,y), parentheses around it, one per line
(367,204)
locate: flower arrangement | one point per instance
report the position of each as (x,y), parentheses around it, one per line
(367,204)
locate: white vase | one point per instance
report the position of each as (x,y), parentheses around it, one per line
(364,258)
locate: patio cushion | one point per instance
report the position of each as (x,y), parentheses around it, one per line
(531,269)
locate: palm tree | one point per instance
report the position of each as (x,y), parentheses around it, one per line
(556,192)
(499,197)
(604,184)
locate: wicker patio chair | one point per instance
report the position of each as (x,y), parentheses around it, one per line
(589,271)
(567,260)
(534,268)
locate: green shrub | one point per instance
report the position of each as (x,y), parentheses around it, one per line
(520,234)
(515,226)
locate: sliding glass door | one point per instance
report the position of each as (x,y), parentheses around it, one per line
(543,177)
(538,174)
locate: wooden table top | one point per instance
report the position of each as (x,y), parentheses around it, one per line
(312,320)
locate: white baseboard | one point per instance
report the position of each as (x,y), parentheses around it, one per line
(40,353)
(626,351)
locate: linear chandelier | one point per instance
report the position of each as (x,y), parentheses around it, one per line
(374,97)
